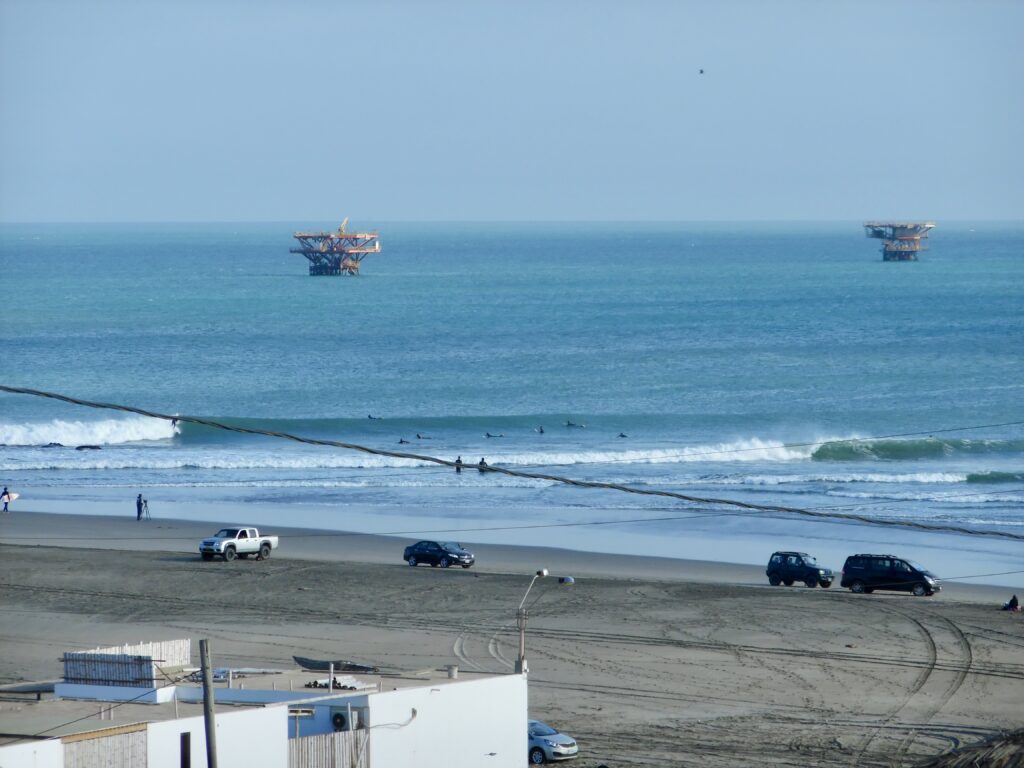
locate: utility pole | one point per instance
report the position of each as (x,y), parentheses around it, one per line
(208,702)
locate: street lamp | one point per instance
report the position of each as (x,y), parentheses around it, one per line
(522,613)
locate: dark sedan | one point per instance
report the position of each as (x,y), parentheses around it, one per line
(438,553)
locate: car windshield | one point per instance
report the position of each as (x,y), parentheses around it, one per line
(917,566)
(808,560)
(450,546)
(542,729)
(226,533)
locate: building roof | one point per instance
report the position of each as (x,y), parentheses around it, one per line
(28,719)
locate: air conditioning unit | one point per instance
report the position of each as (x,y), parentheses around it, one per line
(346,719)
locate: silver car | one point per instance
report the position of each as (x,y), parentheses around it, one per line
(548,745)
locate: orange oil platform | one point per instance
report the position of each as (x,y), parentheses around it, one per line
(336,253)
(901,240)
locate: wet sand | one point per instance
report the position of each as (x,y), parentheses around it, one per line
(646,661)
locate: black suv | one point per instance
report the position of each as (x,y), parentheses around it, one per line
(434,553)
(787,567)
(866,573)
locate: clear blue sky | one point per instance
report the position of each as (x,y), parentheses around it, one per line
(519,110)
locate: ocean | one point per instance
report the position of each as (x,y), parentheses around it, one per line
(779,364)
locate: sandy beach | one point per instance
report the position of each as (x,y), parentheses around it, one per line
(646,661)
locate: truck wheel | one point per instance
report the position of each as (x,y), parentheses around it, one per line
(824,584)
(265,552)
(774,579)
(857,587)
(207,556)
(811,582)
(229,554)
(920,590)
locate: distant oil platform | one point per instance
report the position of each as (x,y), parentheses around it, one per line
(336,253)
(901,240)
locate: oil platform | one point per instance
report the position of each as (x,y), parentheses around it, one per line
(901,240)
(336,253)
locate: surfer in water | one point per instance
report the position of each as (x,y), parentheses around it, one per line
(422,437)
(482,466)
(540,429)
(402,441)
(488,434)
(458,465)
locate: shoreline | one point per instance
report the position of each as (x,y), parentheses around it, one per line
(181,536)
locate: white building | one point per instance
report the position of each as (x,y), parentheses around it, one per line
(131,707)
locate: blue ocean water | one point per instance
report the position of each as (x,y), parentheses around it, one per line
(725,354)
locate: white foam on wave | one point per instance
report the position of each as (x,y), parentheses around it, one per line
(748,449)
(367,483)
(871,477)
(952,498)
(72,433)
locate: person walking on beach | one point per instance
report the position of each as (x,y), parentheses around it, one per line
(138,507)
(6,497)
(458,465)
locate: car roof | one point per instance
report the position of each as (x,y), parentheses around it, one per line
(787,552)
(870,555)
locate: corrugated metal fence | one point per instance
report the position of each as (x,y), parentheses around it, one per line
(344,749)
(122,750)
(130,665)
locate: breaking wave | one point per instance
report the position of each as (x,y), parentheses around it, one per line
(910,450)
(72,433)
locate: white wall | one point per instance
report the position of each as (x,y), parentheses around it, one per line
(470,722)
(113,693)
(34,754)
(255,738)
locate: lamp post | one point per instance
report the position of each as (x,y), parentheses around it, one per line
(522,614)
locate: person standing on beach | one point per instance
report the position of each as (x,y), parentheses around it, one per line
(138,507)
(6,497)
(458,465)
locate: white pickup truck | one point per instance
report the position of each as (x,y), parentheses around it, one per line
(230,543)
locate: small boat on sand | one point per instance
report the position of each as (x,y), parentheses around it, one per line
(316,665)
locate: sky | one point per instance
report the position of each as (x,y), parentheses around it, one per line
(525,110)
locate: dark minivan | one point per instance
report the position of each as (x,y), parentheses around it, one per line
(866,573)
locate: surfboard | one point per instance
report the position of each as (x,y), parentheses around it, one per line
(9,497)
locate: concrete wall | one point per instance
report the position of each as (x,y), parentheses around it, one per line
(255,738)
(194,694)
(34,754)
(114,693)
(472,722)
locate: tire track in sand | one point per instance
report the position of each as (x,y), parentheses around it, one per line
(932,689)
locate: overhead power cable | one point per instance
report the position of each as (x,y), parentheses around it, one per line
(852,517)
